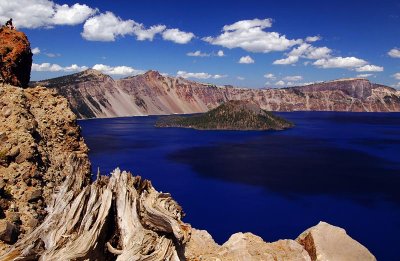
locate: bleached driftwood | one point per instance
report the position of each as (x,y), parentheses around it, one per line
(120,217)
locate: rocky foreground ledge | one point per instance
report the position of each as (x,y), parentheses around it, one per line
(51,210)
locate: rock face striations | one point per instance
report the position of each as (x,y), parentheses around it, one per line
(232,115)
(15,57)
(93,94)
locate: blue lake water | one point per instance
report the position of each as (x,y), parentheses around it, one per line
(342,168)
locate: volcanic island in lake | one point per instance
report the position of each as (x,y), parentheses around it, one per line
(232,115)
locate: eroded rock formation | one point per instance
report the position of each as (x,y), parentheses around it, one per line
(38,132)
(15,57)
(93,94)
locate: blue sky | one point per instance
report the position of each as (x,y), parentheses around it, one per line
(242,43)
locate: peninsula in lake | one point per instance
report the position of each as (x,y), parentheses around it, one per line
(232,115)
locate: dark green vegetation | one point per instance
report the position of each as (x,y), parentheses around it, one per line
(232,115)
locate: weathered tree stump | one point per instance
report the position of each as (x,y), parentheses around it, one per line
(120,217)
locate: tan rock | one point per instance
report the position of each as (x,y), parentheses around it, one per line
(14,152)
(8,232)
(326,242)
(242,247)
(201,244)
(34,195)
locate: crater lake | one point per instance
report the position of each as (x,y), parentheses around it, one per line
(342,168)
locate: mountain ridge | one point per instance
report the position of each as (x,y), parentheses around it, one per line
(93,94)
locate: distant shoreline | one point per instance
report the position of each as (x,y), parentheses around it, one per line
(187,114)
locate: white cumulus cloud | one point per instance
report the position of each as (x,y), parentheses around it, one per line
(143,34)
(198,54)
(394,53)
(248,24)
(219,76)
(324,59)
(306,51)
(76,14)
(270,76)
(287,60)
(116,70)
(250,36)
(74,68)
(35,50)
(312,39)
(369,68)
(48,67)
(43,13)
(107,27)
(177,36)
(246,60)
(316,53)
(52,55)
(366,75)
(280,83)
(199,75)
(397,76)
(340,62)
(295,78)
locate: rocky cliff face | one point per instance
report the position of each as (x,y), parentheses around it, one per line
(15,57)
(93,94)
(38,133)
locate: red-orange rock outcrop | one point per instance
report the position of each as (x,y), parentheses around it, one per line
(15,57)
